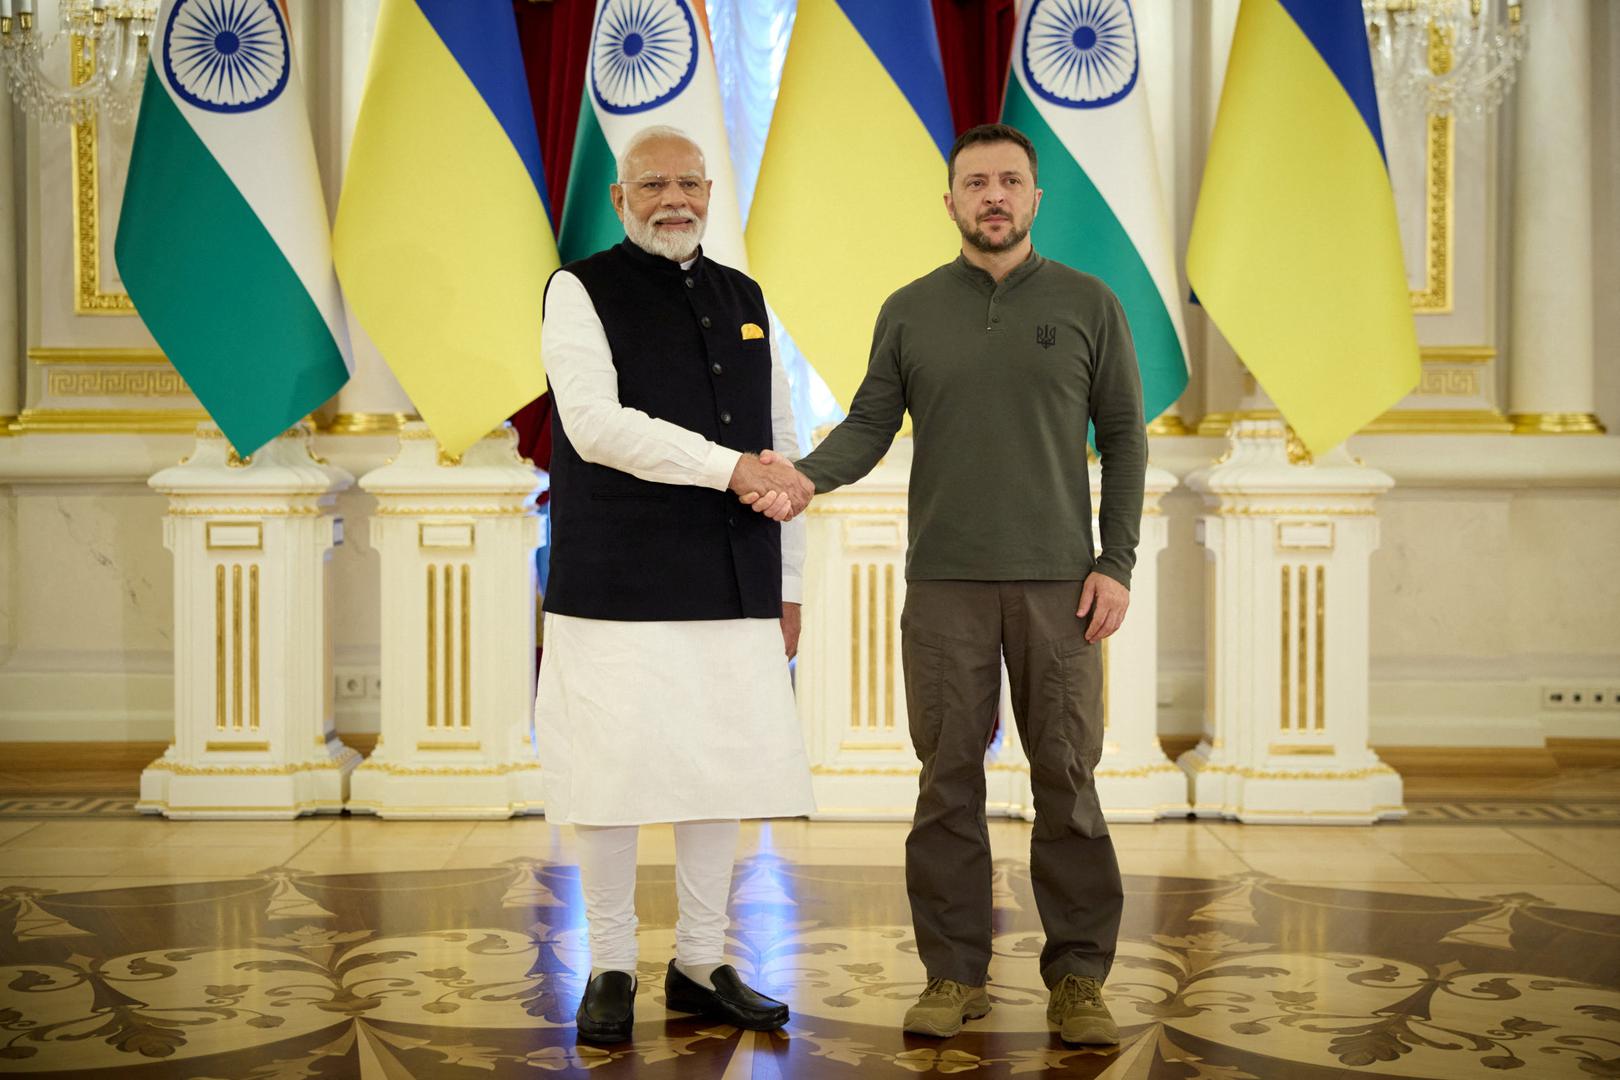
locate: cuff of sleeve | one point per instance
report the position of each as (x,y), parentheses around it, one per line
(1110,571)
(792,589)
(719,466)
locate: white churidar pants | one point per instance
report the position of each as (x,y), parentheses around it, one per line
(704,854)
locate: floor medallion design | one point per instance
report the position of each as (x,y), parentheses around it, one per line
(288,975)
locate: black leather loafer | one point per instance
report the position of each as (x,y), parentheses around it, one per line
(730,1002)
(607,1012)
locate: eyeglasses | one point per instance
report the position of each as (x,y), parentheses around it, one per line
(690,186)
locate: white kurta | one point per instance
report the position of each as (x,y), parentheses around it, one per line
(642,722)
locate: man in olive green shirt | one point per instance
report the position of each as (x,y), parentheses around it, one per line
(1003,358)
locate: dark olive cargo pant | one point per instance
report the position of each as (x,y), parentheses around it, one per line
(954,634)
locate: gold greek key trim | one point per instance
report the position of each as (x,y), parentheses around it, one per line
(88,298)
(1449,382)
(242,747)
(379,423)
(1556,424)
(392,769)
(53,356)
(110,421)
(159,383)
(1434,298)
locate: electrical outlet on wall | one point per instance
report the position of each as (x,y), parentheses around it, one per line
(350,685)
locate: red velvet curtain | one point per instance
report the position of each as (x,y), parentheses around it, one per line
(975,38)
(555,36)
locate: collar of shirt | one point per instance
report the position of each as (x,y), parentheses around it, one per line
(982,280)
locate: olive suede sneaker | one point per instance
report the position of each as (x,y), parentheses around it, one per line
(942,1007)
(1078,1011)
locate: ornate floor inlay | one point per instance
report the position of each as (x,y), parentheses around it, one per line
(291,975)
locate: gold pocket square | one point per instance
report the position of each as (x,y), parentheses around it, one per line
(750,332)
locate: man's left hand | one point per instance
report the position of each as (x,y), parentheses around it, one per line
(792,620)
(1106,600)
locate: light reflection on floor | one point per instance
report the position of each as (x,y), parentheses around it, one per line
(353,948)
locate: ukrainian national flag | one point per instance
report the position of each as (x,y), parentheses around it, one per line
(848,206)
(1294,250)
(443,240)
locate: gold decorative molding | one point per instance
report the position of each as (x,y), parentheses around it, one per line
(392,769)
(387,510)
(8,426)
(381,423)
(1296,511)
(1556,424)
(127,383)
(1434,298)
(52,356)
(242,747)
(1169,425)
(88,299)
(1457,354)
(110,421)
(1439,422)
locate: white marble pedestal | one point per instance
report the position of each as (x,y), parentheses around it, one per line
(1287,545)
(253,734)
(457,540)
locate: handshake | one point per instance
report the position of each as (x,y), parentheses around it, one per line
(771,485)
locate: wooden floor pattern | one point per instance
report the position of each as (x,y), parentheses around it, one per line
(338,947)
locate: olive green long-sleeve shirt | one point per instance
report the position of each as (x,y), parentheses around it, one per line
(1001,380)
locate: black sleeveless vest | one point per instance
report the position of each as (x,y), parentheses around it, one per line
(685,350)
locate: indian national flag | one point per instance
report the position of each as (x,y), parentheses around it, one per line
(650,63)
(223,241)
(1075,88)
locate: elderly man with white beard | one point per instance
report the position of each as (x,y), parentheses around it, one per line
(672,610)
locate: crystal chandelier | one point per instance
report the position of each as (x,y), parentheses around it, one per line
(1445,56)
(104,45)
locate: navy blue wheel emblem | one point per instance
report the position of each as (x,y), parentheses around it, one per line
(1081,54)
(227,55)
(643,53)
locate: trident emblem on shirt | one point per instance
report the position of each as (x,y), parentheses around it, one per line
(1046,336)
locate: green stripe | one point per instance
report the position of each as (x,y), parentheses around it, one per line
(1077,227)
(215,289)
(588,222)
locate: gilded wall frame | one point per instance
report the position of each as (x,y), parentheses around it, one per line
(88,296)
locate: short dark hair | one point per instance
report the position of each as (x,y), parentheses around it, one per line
(989,133)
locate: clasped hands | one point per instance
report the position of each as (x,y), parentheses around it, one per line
(771,485)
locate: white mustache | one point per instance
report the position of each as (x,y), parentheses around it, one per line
(664,219)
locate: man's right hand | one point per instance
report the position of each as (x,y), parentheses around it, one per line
(771,485)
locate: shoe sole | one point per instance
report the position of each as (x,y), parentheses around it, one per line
(942,1031)
(1093,1034)
(603,1036)
(680,1005)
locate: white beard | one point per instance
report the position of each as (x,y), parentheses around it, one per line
(674,246)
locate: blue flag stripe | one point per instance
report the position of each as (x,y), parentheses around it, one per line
(482,36)
(901,35)
(1339,33)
